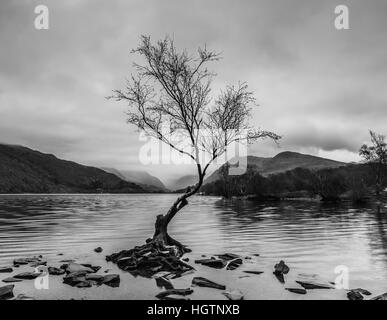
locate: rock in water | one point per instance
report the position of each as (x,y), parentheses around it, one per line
(75,267)
(381,297)
(98,250)
(213,263)
(281,268)
(11,279)
(5,270)
(6,292)
(314,285)
(234,295)
(362,291)
(23,297)
(180,292)
(354,295)
(27,275)
(253,272)
(111,280)
(227,256)
(149,259)
(203,282)
(163,282)
(55,271)
(75,278)
(297,290)
(233,264)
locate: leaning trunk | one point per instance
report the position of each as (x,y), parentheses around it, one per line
(161,236)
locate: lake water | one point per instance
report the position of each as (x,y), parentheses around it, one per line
(310,237)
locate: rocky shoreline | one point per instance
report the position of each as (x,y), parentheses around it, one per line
(163,269)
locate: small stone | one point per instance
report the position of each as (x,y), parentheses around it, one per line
(84,284)
(234,264)
(98,250)
(180,292)
(6,292)
(234,295)
(111,280)
(297,290)
(212,263)
(55,271)
(354,295)
(23,297)
(203,282)
(309,285)
(75,267)
(253,272)
(5,270)
(380,297)
(162,282)
(27,275)
(228,256)
(11,279)
(362,291)
(281,268)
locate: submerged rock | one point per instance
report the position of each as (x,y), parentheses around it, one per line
(97,278)
(149,259)
(6,292)
(203,282)
(380,297)
(111,280)
(227,256)
(55,271)
(234,295)
(11,279)
(162,282)
(74,278)
(253,272)
(362,291)
(27,275)
(281,268)
(169,292)
(5,269)
(297,290)
(213,263)
(354,295)
(22,296)
(33,261)
(76,267)
(310,284)
(98,249)
(233,264)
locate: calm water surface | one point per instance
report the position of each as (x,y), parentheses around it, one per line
(311,237)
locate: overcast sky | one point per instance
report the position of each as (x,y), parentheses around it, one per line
(318,87)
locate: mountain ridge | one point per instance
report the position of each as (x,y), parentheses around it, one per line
(24,170)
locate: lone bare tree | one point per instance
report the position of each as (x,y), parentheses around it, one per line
(173,88)
(376,156)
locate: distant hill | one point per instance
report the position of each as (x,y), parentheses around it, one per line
(23,170)
(142,178)
(283,162)
(183,182)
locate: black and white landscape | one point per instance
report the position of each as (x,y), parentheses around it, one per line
(202,150)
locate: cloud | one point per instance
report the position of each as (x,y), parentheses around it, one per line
(320,88)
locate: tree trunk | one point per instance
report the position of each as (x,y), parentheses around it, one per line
(161,236)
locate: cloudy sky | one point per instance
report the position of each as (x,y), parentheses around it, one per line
(318,87)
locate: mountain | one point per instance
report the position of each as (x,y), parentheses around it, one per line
(283,162)
(183,182)
(142,178)
(23,170)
